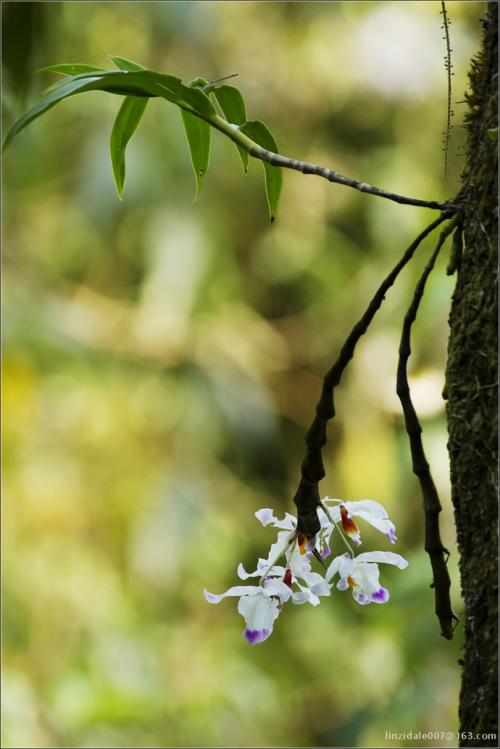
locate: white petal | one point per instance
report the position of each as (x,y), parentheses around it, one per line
(333,509)
(277,588)
(288,523)
(259,613)
(346,565)
(333,568)
(267,517)
(300,596)
(367,506)
(237,590)
(313,578)
(342,565)
(366,576)
(315,584)
(335,513)
(244,575)
(312,598)
(329,500)
(384,525)
(383,557)
(321,588)
(276,571)
(279,547)
(360,596)
(298,563)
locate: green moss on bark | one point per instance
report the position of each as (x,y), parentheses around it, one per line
(472,382)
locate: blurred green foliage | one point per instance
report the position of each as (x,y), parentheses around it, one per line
(162,360)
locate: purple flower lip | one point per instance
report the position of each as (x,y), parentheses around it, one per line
(326,552)
(380,596)
(254,636)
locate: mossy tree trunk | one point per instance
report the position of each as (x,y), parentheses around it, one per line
(472,398)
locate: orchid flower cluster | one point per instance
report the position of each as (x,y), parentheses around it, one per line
(261,604)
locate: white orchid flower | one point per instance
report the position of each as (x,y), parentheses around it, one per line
(295,581)
(295,548)
(361,573)
(261,604)
(310,584)
(366,509)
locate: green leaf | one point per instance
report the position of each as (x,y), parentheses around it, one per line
(67,70)
(198,133)
(70,69)
(127,120)
(66,88)
(232,104)
(123,64)
(126,123)
(233,107)
(258,132)
(141,83)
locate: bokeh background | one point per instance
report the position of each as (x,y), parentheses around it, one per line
(162,359)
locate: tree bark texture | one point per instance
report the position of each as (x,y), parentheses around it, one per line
(472,382)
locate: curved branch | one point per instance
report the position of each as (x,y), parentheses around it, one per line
(307,496)
(438,554)
(134,80)
(305,167)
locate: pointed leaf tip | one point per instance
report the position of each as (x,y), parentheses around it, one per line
(127,120)
(198,134)
(123,64)
(258,132)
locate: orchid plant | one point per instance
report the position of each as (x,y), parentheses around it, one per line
(206,106)
(260,605)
